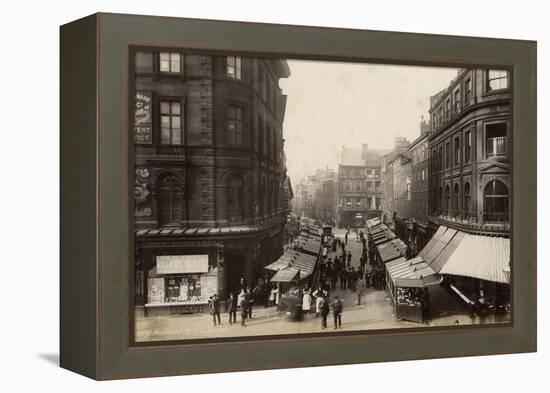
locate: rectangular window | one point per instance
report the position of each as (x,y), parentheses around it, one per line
(170,62)
(348,202)
(448,108)
(440,116)
(234,67)
(358,186)
(447,155)
(467,90)
(467,147)
(457,100)
(234,133)
(457,151)
(497,79)
(495,139)
(170,123)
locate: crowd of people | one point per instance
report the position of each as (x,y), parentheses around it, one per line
(334,273)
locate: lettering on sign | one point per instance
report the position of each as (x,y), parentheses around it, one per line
(142,117)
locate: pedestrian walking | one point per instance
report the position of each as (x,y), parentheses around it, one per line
(324,312)
(337,310)
(343,278)
(249,302)
(349,257)
(244,310)
(215,309)
(231,307)
(346,238)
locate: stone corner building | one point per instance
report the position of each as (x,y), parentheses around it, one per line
(469,143)
(210,174)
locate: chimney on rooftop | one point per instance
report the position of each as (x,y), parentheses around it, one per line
(424,126)
(365,150)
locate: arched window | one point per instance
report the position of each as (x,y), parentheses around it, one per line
(447,198)
(456,196)
(467,199)
(496,199)
(235,204)
(169,200)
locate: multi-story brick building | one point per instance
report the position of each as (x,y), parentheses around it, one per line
(209,173)
(359,193)
(411,195)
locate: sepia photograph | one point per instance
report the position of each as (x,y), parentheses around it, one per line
(286,196)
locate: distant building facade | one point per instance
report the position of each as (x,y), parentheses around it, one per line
(209,173)
(401,145)
(323,191)
(411,207)
(359,187)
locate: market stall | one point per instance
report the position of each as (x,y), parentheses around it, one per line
(408,283)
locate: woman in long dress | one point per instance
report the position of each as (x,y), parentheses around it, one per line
(306,302)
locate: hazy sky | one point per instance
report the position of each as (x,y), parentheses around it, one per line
(332,104)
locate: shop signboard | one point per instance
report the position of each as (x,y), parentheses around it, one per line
(142,117)
(179,264)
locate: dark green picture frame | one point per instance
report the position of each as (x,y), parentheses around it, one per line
(96,203)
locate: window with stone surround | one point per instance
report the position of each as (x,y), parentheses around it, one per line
(170,62)
(234,133)
(171,123)
(233,67)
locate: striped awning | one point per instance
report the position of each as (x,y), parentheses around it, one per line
(411,273)
(391,250)
(444,256)
(437,235)
(439,245)
(482,257)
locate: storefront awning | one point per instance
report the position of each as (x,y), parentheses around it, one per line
(179,264)
(286,275)
(482,257)
(411,273)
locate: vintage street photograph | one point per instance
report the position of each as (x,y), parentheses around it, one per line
(281,196)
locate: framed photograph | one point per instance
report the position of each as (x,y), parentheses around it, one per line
(252,196)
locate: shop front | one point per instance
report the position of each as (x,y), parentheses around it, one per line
(181,284)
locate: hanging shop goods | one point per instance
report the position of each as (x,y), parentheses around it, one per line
(407,282)
(180,284)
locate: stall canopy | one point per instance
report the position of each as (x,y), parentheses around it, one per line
(373,222)
(439,245)
(286,275)
(302,262)
(482,257)
(311,247)
(444,256)
(391,250)
(414,273)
